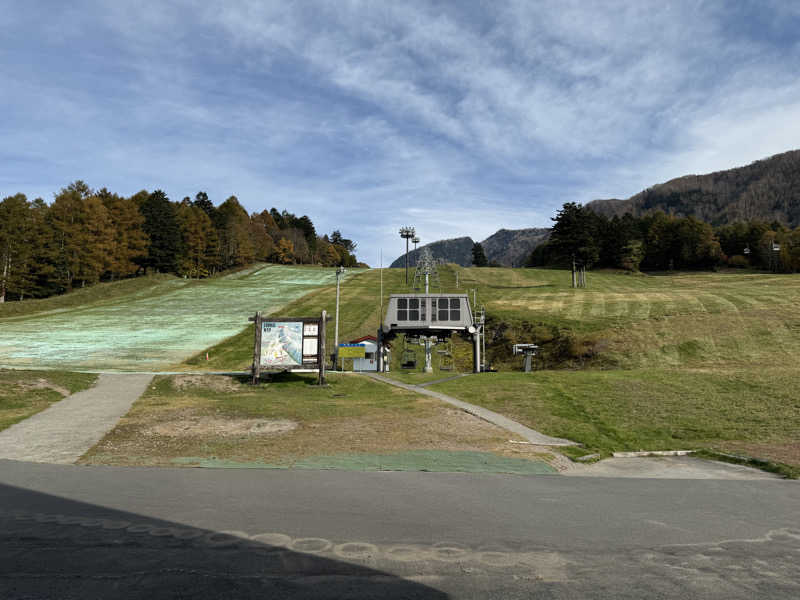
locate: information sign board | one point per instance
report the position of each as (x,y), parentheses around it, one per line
(289,343)
(282,344)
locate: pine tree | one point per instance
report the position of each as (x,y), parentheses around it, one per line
(15,244)
(202,202)
(161,225)
(479,256)
(575,234)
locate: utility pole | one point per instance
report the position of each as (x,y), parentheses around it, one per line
(339,271)
(407,233)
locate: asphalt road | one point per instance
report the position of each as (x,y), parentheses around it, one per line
(86,532)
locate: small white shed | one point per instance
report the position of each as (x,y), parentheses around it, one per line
(370,360)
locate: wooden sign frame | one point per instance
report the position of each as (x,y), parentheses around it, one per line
(306,365)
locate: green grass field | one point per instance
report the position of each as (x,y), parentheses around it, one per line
(685,360)
(688,360)
(631,321)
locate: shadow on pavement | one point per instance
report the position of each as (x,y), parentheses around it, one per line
(51,547)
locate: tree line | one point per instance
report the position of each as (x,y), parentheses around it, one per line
(85,236)
(658,242)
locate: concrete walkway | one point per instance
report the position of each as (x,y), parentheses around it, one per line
(530,435)
(65,431)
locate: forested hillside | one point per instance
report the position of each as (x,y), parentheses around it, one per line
(86,236)
(659,242)
(767,190)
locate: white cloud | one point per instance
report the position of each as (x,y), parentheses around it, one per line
(459,118)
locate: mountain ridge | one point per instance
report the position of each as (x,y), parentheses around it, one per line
(506,247)
(766,190)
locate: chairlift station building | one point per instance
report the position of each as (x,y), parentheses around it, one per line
(430,316)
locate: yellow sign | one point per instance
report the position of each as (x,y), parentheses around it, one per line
(351,351)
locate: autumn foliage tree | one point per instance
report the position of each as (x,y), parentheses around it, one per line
(85,236)
(82,235)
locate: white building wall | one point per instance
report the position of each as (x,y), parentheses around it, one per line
(367,364)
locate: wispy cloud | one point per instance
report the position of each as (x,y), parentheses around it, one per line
(459,118)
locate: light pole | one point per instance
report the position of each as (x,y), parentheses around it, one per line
(407,233)
(415,241)
(339,272)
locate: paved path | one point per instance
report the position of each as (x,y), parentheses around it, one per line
(114,532)
(666,467)
(66,430)
(527,433)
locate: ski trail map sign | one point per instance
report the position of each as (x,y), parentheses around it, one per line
(289,344)
(282,344)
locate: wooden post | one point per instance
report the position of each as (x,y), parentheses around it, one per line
(256,347)
(573,272)
(321,349)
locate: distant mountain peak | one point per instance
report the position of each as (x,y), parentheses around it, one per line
(507,247)
(511,247)
(455,250)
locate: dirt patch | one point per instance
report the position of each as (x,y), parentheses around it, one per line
(217,383)
(207,426)
(43,384)
(187,433)
(783,452)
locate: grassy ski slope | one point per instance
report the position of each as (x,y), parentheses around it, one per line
(153,326)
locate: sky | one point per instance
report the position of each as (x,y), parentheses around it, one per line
(458,118)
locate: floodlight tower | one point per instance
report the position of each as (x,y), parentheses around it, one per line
(407,233)
(415,241)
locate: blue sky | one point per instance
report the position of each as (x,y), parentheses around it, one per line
(459,118)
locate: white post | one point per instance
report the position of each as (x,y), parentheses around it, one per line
(428,364)
(339,271)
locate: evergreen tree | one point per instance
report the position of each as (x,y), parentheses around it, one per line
(15,244)
(161,225)
(575,234)
(202,202)
(41,270)
(479,256)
